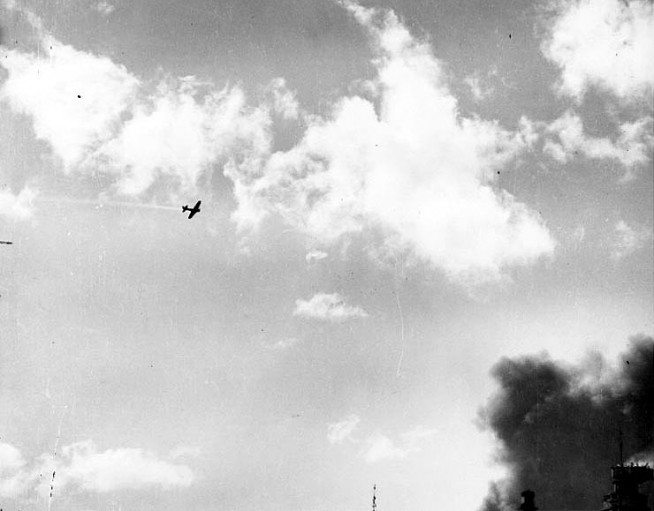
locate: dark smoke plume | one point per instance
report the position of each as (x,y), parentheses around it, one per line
(560,436)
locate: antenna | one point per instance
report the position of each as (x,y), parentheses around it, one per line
(621,447)
(374,498)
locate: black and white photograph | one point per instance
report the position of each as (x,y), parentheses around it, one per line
(326,255)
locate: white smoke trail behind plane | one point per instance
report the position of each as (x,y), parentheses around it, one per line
(99,203)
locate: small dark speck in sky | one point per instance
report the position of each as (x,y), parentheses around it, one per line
(498,172)
(79,96)
(509,35)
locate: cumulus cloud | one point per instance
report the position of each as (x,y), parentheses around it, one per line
(104,8)
(96,115)
(315,256)
(83,467)
(608,44)
(18,206)
(13,477)
(284,101)
(379,447)
(331,307)
(415,436)
(405,164)
(74,98)
(631,148)
(11,458)
(339,432)
(411,168)
(118,469)
(628,240)
(178,131)
(478,88)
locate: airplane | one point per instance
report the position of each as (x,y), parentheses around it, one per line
(6,243)
(195,209)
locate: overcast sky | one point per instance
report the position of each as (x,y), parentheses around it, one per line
(395,195)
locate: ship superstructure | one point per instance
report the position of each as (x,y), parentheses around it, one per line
(626,495)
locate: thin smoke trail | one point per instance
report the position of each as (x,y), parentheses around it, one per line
(102,203)
(138,205)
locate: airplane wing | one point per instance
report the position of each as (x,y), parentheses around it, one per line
(195,209)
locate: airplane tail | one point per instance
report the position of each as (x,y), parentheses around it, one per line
(185,209)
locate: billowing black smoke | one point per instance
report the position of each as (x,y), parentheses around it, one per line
(560,437)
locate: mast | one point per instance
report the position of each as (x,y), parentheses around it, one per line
(374,498)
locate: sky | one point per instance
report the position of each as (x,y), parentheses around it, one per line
(400,202)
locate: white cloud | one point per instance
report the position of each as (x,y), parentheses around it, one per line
(379,447)
(104,8)
(175,134)
(117,469)
(338,432)
(284,101)
(414,437)
(284,344)
(17,206)
(95,115)
(11,459)
(83,467)
(330,307)
(13,476)
(75,98)
(315,256)
(628,240)
(608,44)
(479,90)
(631,148)
(412,169)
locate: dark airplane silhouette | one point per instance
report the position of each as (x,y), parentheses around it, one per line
(195,209)
(6,243)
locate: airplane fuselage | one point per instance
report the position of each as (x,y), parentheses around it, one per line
(195,209)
